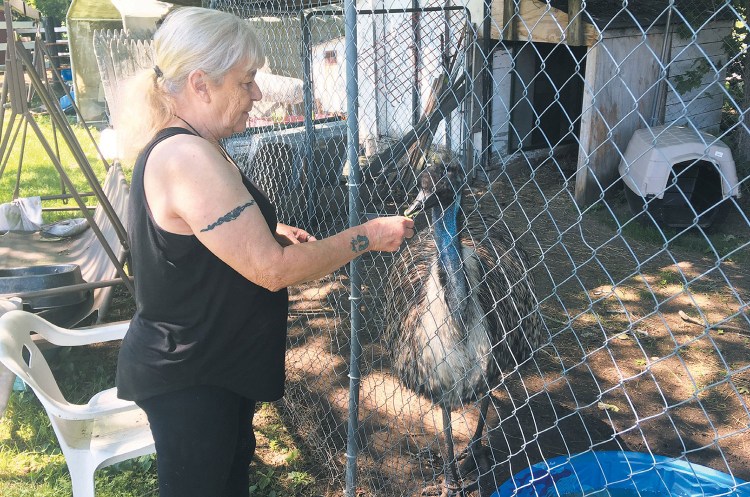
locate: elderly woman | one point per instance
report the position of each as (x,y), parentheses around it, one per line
(211,263)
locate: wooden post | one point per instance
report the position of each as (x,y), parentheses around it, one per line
(574,34)
(510,20)
(25,10)
(743,138)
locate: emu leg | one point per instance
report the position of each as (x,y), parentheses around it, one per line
(450,486)
(476,455)
(483,408)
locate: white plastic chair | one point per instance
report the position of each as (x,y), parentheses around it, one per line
(102,432)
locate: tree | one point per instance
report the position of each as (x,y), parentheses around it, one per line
(743,68)
(56,9)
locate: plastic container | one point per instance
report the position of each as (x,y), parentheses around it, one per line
(33,278)
(621,474)
(66,102)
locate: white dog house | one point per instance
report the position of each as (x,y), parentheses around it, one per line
(678,174)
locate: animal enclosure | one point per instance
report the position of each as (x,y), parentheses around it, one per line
(644,329)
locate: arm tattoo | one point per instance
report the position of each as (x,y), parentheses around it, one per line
(229,216)
(360,243)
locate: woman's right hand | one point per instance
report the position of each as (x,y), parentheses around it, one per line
(388,233)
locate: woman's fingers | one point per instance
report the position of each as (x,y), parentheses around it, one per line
(392,231)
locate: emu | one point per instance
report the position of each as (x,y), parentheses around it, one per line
(460,310)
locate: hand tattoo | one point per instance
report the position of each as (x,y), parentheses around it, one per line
(360,243)
(229,216)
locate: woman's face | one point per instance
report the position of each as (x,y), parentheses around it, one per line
(234,98)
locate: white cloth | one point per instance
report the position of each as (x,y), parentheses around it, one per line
(66,227)
(21,214)
(10,304)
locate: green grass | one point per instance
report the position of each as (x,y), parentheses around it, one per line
(39,177)
(31,463)
(731,247)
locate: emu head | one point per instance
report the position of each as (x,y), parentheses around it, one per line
(439,185)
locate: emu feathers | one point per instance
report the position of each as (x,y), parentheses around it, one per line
(460,305)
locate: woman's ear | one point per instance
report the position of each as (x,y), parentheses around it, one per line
(198,84)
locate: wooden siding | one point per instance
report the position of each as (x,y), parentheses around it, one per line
(502,75)
(621,72)
(702,105)
(538,21)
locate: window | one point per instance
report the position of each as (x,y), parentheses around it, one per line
(329,57)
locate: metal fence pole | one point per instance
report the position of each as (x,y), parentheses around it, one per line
(355,207)
(311,176)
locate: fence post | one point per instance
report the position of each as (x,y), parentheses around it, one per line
(307,92)
(355,206)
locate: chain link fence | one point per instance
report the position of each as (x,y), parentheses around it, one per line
(598,152)
(610,139)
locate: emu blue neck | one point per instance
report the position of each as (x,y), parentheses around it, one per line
(445,226)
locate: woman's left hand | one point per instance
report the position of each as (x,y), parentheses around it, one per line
(290,235)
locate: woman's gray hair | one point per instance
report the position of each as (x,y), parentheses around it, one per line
(193,38)
(189,39)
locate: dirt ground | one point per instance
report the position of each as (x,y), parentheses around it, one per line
(622,370)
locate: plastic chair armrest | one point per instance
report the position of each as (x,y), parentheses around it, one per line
(107,401)
(61,336)
(104,403)
(86,336)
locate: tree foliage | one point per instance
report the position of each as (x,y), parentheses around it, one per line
(738,86)
(57,9)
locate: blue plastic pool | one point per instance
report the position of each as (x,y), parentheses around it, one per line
(621,474)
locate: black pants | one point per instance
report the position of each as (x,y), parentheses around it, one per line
(204,442)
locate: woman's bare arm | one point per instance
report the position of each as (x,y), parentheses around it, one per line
(204,195)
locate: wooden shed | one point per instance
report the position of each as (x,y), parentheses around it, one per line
(86,16)
(591,77)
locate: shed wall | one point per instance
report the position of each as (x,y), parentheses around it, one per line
(621,73)
(701,106)
(502,67)
(623,67)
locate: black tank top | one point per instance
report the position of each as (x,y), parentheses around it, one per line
(197,321)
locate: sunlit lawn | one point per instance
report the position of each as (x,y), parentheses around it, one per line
(38,175)
(31,463)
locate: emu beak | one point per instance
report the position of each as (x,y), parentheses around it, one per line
(422,202)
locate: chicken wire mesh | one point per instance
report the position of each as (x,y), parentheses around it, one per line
(596,152)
